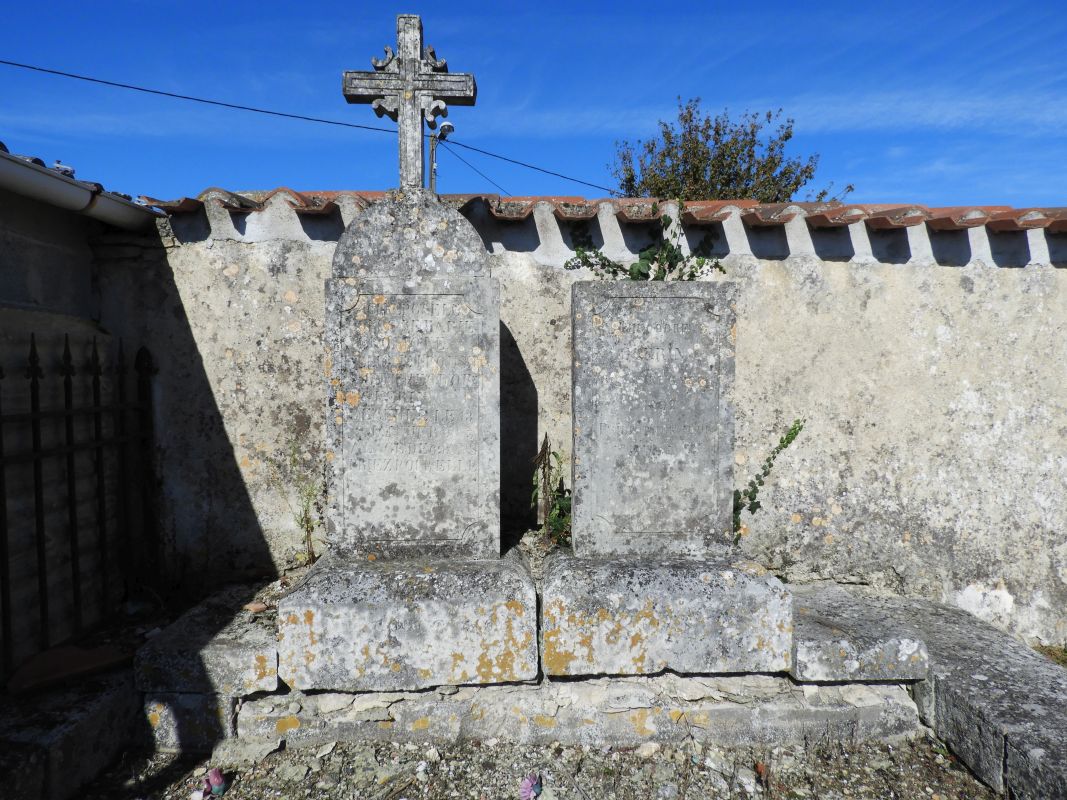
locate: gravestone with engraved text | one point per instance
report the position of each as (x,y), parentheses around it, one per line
(413,592)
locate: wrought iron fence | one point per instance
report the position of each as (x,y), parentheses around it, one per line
(76,512)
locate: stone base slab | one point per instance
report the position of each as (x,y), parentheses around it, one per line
(999,705)
(69,735)
(641,616)
(731,710)
(831,644)
(215,648)
(188,723)
(382,626)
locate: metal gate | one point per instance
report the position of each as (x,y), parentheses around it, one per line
(76,511)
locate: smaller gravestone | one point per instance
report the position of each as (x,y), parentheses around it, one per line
(653,426)
(652,587)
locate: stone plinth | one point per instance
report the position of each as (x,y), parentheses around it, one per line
(413,422)
(381,626)
(653,428)
(625,617)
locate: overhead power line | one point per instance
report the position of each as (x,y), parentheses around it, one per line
(531,166)
(452,152)
(176,96)
(301,117)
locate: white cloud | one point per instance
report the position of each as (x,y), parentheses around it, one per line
(939,110)
(1020,114)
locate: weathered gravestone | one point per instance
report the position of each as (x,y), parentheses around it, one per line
(413,422)
(413,592)
(652,587)
(653,433)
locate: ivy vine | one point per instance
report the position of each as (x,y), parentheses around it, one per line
(662,260)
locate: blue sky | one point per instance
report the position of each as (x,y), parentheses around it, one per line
(940,103)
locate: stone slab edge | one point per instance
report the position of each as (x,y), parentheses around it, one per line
(76,731)
(998,704)
(755,709)
(828,647)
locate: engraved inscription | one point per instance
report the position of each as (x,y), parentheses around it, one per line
(413,380)
(411,374)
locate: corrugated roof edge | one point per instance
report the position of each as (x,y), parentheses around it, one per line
(29,177)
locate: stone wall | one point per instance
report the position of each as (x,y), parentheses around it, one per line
(928,364)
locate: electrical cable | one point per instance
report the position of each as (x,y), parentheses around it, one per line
(160,92)
(531,166)
(445,144)
(301,117)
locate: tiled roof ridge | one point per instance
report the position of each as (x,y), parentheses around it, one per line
(876,216)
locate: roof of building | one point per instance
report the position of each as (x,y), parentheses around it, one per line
(877,216)
(56,185)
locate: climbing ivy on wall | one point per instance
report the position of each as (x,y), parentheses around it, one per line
(662,260)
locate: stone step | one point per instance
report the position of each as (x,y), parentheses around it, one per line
(386,626)
(725,710)
(53,743)
(830,643)
(193,671)
(215,648)
(633,617)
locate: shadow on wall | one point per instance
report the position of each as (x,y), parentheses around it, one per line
(890,246)
(211,536)
(518,442)
(513,237)
(1009,249)
(1057,248)
(950,248)
(833,244)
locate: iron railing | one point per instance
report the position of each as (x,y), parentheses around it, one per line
(79,457)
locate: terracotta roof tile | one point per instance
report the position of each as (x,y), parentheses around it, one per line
(231,201)
(706,212)
(877,216)
(637,210)
(574,208)
(512,209)
(837,216)
(953,218)
(767,214)
(1058,223)
(888,217)
(1019,219)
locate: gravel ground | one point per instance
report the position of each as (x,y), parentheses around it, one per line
(489,770)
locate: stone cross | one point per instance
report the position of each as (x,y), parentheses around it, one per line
(408,86)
